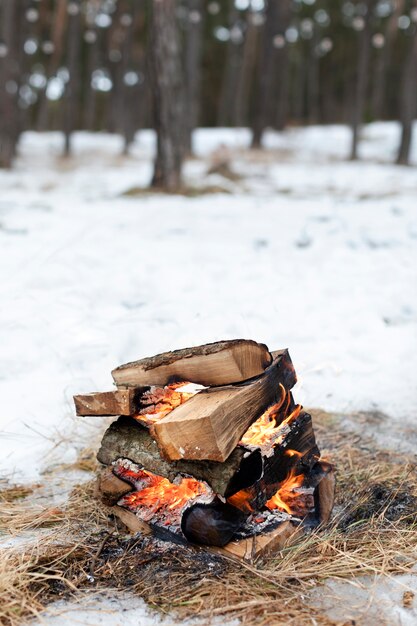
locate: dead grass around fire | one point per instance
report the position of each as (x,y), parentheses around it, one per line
(374,531)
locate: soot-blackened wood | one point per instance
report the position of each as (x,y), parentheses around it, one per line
(220,363)
(248,549)
(211,423)
(212,524)
(119,402)
(126,438)
(301,439)
(278,462)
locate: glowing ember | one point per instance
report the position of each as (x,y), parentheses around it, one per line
(159,401)
(156,498)
(266,430)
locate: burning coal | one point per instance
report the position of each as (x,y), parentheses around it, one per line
(156,498)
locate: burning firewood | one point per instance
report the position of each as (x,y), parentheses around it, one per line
(235,466)
(210,424)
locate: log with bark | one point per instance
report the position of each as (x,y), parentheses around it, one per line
(212,364)
(126,438)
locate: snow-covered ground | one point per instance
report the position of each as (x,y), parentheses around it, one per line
(308,251)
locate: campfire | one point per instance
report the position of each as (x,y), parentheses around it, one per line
(210,448)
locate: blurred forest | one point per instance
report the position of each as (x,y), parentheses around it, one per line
(125,65)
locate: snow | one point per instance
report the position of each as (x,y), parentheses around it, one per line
(308,251)
(378,600)
(108,609)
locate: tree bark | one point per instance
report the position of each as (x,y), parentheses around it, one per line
(231,71)
(73,84)
(408,101)
(10,74)
(126,438)
(247,68)
(267,73)
(57,38)
(362,78)
(168,98)
(193,52)
(383,62)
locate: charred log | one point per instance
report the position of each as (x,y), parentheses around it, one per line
(212,524)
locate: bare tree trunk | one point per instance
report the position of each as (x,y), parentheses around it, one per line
(57,39)
(267,74)
(247,69)
(11,34)
(90,95)
(168,101)
(313,79)
(73,84)
(362,77)
(230,73)
(282,61)
(193,51)
(408,101)
(383,61)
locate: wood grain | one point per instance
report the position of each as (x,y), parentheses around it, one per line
(117,402)
(212,364)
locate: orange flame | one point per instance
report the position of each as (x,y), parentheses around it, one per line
(241,500)
(159,401)
(266,430)
(287,498)
(157,498)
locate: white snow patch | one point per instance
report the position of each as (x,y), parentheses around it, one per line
(310,252)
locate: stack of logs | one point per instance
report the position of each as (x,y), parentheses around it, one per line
(238,388)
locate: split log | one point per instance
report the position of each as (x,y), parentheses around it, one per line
(128,439)
(211,423)
(325,493)
(212,364)
(261,546)
(129,519)
(118,402)
(110,488)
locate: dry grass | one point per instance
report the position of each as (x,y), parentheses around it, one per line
(374,531)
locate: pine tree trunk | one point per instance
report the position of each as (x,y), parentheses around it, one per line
(247,69)
(313,79)
(383,62)
(193,51)
(231,72)
(362,78)
(73,84)
(57,38)
(10,74)
(408,101)
(168,98)
(267,74)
